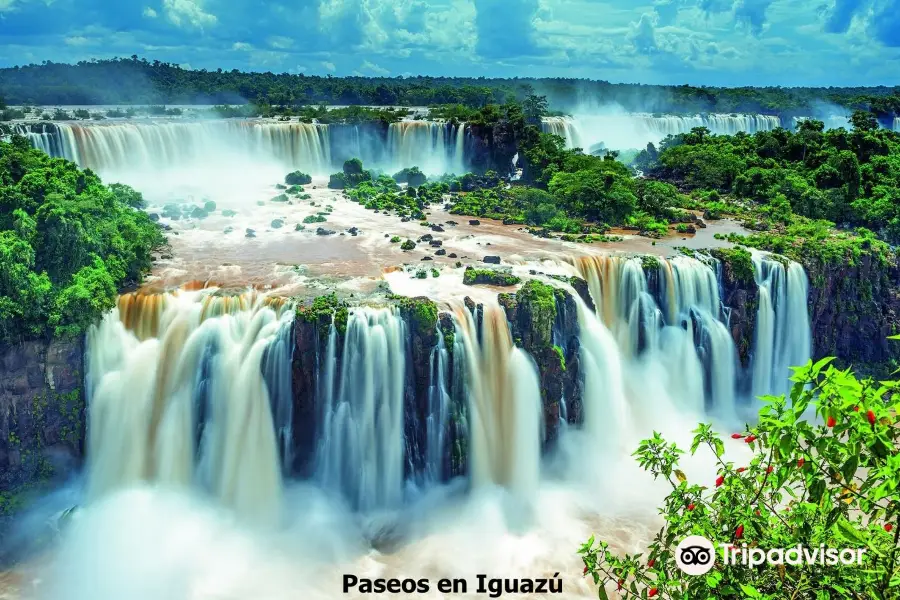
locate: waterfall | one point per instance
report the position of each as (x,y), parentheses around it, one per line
(592,132)
(152,144)
(361,445)
(667,315)
(897,124)
(782,338)
(435,147)
(437,419)
(176,395)
(505,413)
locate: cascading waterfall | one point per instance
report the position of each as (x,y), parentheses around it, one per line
(177,396)
(360,453)
(896,123)
(434,147)
(160,144)
(670,313)
(636,130)
(319,149)
(782,338)
(505,416)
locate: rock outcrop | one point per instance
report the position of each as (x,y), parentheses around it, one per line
(42,411)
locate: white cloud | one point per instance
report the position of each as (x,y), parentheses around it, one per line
(328,66)
(281,42)
(149,13)
(77,40)
(242,46)
(373,69)
(188,14)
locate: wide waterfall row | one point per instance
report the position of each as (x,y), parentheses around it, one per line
(436,148)
(636,130)
(198,389)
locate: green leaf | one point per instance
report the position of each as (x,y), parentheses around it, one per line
(750,591)
(601,593)
(848,470)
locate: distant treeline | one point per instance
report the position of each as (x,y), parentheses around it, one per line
(139,81)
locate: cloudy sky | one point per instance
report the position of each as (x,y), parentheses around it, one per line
(716,42)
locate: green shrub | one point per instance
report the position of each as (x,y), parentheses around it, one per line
(831,483)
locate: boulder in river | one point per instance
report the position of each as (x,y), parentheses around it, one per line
(323,231)
(474,222)
(250,233)
(491,260)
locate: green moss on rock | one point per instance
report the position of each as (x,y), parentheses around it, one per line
(323,311)
(739,260)
(473,276)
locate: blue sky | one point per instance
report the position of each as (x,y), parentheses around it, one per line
(715,42)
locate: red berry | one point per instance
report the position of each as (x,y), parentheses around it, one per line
(720,480)
(750,438)
(871,417)
(769,469)
(739,532)
(585,570)
(741,469)
(691,507)
(888,527)
(650,563)
(800,462)
(831,422)
(757,512)
(855,409)
(737,436)
(651,593)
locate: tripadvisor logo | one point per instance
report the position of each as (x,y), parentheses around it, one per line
(695,555)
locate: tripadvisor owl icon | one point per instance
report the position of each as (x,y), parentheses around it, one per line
(695,555)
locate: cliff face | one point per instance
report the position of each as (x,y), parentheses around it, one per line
(42,411)
(853,309)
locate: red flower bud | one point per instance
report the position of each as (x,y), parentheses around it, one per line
(855,409)
(831,422)
(737,436)
(888,527)
(800,462)
(750,438)
(619,584)
(650,563)
(871,417)
(691,507)
(739,532)
(585,570)
(757,512)
(651,593)
(720,480)
(769,469)
(741,469)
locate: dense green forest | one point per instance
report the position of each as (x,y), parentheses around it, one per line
(68,243)
(139,81)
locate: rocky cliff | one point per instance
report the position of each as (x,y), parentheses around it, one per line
(854,307)
(42,417)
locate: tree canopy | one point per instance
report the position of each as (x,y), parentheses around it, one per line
(67,243)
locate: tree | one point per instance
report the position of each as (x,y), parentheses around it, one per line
(595,195)
(863,120)
(832,482)
(534,107)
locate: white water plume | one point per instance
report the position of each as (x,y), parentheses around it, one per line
(621,130)
(504,403)
(361,447)
(782,338)
(180,399)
